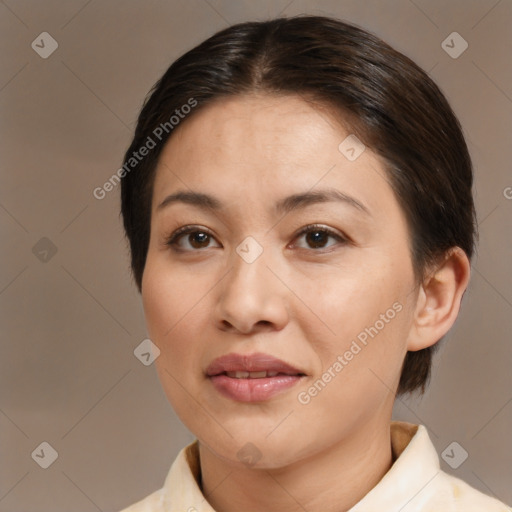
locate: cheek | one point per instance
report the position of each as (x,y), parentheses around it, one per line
(360,367)
(172,306)
(173,310)
(363,317)
(346,299)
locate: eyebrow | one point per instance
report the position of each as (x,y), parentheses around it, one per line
(297,201)
(203,201)
(286,205)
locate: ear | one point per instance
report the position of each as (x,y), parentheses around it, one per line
(439,300)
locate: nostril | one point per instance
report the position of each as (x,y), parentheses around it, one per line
(226,324)
(244,327)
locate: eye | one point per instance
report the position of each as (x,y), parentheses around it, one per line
(192,238)
(318,237)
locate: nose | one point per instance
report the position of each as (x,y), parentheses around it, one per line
(252,299)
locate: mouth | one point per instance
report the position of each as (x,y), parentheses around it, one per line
(252,378)
(255,375)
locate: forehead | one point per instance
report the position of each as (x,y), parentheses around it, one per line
(258,146)
(231,127)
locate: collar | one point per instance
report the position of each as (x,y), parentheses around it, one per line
(415,466)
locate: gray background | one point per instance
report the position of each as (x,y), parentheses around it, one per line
(70,321)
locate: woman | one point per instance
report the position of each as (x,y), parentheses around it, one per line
(297,198)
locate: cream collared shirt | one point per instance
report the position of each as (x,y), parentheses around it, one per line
(414,483)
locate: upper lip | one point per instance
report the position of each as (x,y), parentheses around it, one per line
(250,363)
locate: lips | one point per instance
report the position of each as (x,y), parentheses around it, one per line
(252,363)
(252,378)
(251,375)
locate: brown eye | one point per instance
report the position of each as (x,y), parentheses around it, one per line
(199,240)
(318,237)
(190,238)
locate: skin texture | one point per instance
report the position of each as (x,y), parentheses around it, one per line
(297,302)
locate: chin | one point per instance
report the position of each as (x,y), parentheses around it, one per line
(256,454)
(255,446)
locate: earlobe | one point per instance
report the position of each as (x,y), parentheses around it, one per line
(439,300)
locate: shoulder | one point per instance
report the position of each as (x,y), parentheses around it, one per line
(181,490)
(416,482)
(151,503)
(464,498)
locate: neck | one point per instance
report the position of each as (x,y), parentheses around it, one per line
(330,481)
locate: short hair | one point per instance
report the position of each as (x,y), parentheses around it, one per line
(387,100)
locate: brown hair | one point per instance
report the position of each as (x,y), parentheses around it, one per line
(390,103)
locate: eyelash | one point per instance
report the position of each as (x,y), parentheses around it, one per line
(174,238)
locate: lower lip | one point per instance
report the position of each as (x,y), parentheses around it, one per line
(253,390)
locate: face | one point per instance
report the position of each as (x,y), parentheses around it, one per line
(278,284)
